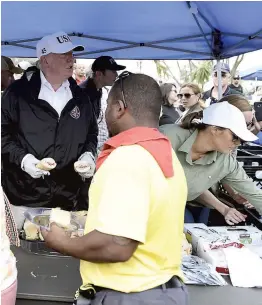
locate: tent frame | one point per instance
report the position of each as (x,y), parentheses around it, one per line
(215,44)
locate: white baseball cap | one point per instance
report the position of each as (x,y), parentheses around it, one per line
(228,116)
(58,43)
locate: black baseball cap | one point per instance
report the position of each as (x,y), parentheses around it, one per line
(106,63)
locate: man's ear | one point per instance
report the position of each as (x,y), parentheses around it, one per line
(44,61)
(120,108)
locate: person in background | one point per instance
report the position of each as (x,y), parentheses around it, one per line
(211,96)
(137,200)
(236,84)
(190,98)
(46,115)
(204,149)
(244,106)
(104,73)
(8,69)
(80,73)
(170,112)
(9,235)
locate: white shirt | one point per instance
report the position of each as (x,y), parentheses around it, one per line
(102,127)
(57,99)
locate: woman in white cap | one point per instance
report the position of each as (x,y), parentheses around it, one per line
(204,149)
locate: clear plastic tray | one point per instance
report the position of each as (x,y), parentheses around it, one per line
(41,216)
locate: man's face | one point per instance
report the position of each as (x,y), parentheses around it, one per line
(60,65)
(7,77)
(80,70)
(225,77)
(109,77)
(236,80)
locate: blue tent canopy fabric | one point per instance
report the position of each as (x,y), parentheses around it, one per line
(136,29)
(252,74)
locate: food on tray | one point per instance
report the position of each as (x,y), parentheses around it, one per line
(72,222)
(61,218)
(46,164)
(81,166)
(31,230)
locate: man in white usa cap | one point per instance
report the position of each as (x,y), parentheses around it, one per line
(46,115)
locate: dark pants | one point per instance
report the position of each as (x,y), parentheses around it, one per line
(196,214)
(170,296)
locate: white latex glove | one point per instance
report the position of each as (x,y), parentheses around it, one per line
(29,165)
(85,166)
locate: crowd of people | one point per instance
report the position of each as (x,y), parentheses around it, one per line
(138,181)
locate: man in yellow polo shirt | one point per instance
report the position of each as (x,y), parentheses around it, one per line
(131,250)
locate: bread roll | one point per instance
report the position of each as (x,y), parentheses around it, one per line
(81,166)
(31,230)
(46,164)
(61,218)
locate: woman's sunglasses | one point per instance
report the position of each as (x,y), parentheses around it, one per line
(186,95)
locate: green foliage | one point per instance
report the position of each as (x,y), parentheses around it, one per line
(162,70)
(202,72)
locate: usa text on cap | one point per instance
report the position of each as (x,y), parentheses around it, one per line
(57,43)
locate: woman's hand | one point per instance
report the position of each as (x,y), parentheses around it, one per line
(256,126)
(232,216)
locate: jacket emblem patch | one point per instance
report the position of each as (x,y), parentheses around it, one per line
(75,113)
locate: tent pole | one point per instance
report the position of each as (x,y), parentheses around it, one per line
(219,78)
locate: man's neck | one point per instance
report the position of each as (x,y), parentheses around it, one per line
(224,88)
(53,81)
(98,84)
(134,124)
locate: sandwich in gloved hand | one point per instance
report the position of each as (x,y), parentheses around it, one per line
(81,166)
(46,164)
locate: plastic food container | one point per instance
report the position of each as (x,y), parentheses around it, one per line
(41,218)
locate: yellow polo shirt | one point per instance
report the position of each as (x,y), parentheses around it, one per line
(130,197)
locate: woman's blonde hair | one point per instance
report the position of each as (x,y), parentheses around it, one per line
(197,91)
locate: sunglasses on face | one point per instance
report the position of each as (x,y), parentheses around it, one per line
(236,78)
(186,95)
(223,74)
(121,78)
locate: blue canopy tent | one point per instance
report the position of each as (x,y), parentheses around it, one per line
(136,30)
(252,74)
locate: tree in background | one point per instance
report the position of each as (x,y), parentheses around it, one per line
(164,71)
(202,72)
(237,62)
